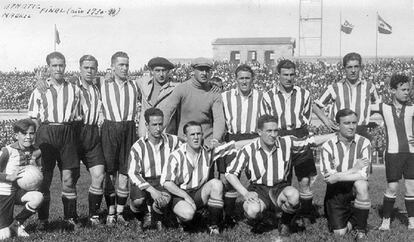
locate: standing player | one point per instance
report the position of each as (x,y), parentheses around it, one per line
(352,92)
(119,101)
(291,105)
(398,119)
(241,110)
(186,175)
(267,162)
(55,109)
(12,158)
(344,164)
(147,158)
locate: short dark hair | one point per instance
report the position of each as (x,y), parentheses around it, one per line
(151,112)
(285,64)
(244,67)
(397,80)
(265,119)
(351,56)
(343,113)
(55,55)
(23,125)
(118,54)
(88,58)
(190,124)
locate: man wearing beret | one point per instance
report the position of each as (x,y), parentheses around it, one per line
(197,102)
(155,90)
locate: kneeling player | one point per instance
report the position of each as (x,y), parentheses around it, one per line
(148,156)
(186,174)
(344,164)
(12,158)
(268,164)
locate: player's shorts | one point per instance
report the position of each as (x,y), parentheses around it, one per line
(90,147)
(338,206)
(263,193)
(195,194)
(7,203)
(303,163)
(399,165)
(136,193)
(57,142)
(222,163)
(117,140)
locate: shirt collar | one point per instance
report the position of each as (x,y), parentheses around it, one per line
(360,81)
(259,145)
(16,146)
(238,92)
(280,89)
(337,140)
(163,137)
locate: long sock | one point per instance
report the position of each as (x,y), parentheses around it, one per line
(360,213)
(110,199)
(286,217)
(121,200)
(43,210)
(25,214)
(215,207)
(230,202)
(95,199)
(306,199)
(387,205)
(69,203)
(409,204)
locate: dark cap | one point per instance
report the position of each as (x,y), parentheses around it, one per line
(201,61)
(160,61)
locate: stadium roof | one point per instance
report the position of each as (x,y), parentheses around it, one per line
(255,41)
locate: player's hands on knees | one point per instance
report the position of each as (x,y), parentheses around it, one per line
(191,202)
(361,163)
(331,178)
(251,197)
(155,194)
(15,175)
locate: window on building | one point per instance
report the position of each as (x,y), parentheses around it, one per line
(252,55)
(235,57)
(269,57)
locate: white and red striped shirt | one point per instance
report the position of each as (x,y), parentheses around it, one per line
(268,168)
(90,102)
(146,160)
(59,104)
(337,156)
(398,126)
(119,100)
(292,109)
(193,174)
(241,112)
(357,97)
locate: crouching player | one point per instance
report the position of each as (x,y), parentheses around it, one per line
(344,163)
(148,156)
(186,175)
(12,158)
(268,164)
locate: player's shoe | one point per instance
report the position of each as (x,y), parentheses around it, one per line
(284,230)
(385,225)
(147,221)
(111,220)
(213,230)
(5,233)
(42,225)
(18,229)
(121,220)
(411,223)
(230,221)
(360,235)
(94,220)
(70,224)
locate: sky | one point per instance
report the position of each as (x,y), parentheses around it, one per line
(186,28)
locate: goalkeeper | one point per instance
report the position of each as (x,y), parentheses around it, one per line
(149,199)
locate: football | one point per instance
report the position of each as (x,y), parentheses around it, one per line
(31,178)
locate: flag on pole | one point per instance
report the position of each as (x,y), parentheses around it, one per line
(57,38)
(347,27)
(383,27)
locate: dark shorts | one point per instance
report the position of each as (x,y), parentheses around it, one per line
(7,206)
(399,165)
(222,163)
(58,143)
(136,193)
(338,206)
(303,163)
(117,140)
(263,193)
(90,147)
(194,194)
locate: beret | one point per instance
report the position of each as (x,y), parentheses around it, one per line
(160,61)
(201,61)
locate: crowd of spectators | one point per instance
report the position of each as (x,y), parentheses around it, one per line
(6,132)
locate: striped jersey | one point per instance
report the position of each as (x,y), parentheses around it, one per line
(241,112)
(11,158)
(119,100)
(357,97)
(268,168)
(337,156)
(192,174)
(292,109)
(59,104)
(90,103)
(146,160)
(398,126)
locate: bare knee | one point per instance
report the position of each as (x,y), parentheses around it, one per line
(34,198)
(361,188)
(136,203)
(216,185)
(185,215)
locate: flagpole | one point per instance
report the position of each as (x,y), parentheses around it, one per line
(54,42)
(376,39)
(340,33)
